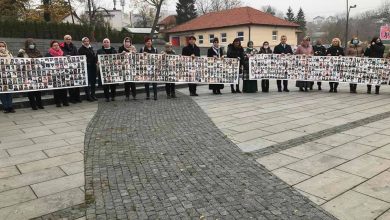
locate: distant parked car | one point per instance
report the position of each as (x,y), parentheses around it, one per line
(159,41)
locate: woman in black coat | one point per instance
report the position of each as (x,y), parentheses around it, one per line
(319,50)
(376,50)
(235,50)
(217,52)
(335,50)
(107,49)
(128,47)
(87,50)
(148,48)
(265,49)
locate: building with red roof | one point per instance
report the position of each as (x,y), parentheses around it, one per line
(246,23)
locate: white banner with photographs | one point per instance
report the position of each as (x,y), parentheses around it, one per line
(320,68)
(162,68)
(46,73)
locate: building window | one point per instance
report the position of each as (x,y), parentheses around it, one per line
(223,37)
(200,37)
(240,35)
(211,38)
(274,35)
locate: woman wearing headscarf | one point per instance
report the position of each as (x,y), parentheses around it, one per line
(87,50)
(30,51)
(235,50)
(60,95)
(354,49)
(335,50)
(304,49)
(169,87)
(249,86)
(6,98)
(265,49)
(217,52)
(128,47)
(319,50)
(376,50)
(148,48)
(107,49)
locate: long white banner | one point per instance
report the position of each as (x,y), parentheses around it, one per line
(320,68)
(162,68)
(46,73)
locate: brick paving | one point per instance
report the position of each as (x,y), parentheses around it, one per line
(165,159)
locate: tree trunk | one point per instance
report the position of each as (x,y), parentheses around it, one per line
(158,9)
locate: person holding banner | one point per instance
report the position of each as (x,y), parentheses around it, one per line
(107,49)
(283,48)
(249,86)
(304,49)
(265,49)
(335,50)
(376,50)
(319,50)
(6,98)
(235,50)
(87,50)
(70,49)
(216,52)
(148,48)
(169,87)
(128,47)
(30,51)
(191,50)
(60,95)
(354,49)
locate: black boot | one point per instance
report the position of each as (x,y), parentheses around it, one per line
(285,86)
(331,86)
(335,87)
(368,89)
(311,85)
(279,84)
(377,89)
(238,88)
(319,85)
(232,88)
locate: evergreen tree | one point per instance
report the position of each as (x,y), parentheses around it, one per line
(270,10)
(185,10)
(290,15)
(301,21)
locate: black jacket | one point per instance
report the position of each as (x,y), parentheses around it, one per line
(189,50)
(375,51)
(236,52)
(265,51)
(69,50)
(335,51)
(89,53)
(102,50)
(279,49)
(212,53)
(146,50)
(319,50)
(172,52)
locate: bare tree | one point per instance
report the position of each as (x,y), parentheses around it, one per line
(156,5)
(206,6)
(146,15)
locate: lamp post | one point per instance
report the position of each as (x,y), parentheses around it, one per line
(347,25)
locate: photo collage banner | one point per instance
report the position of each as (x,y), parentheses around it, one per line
(320,68)
(46,73)
(163,68)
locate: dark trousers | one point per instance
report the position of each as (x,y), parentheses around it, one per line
(107,89)
(333,86)
(147,90)
(237,86)
(60,96)
(6,100)
(377,87)
(265,85)
(192,88)
(35,99)
(74,95)
(130,86)
(90,90)
(170,89)
(352,87)
(279,84)
(319,85)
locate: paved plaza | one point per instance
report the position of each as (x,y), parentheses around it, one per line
(296,155)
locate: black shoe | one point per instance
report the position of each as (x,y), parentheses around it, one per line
(41,107)
(66,104)
(330,90)
(155,98)
(238,91)
(107,100)
(233,91)
(73,101)
(34,108)
(134,98)
(286,90)
(94,98)
(196,94)
(319,88)
(311,87)
(306,90)
(147,98)
(169,97)
(173,96)
(279,90)
(335,90)
(301,89)
(112,99)
(78,101)
(6,111)
(58,105)
(127,98)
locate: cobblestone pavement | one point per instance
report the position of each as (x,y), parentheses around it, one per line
(333,148)
(41,160)
(165,159)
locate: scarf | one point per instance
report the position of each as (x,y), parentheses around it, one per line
(56,53)
(217,51)
(5,53)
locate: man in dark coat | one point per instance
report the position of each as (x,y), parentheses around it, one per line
(376,50)
(87,50)
(235,50)
(283,48)
(191,50)
(318,50)
(70,49)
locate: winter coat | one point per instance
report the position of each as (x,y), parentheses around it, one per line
(6,53)
(89,53)
(279,49)
(355,50)
(335,51)
(191,50)
(319,50)
(26,52)
(103,50)
(146,50)
(301,50)
(211,52)
(375,51)
(131,50)
(172,52)
(236,52)
(265,50)
(69,49)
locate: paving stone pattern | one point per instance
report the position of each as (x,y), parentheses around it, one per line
(165,159)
